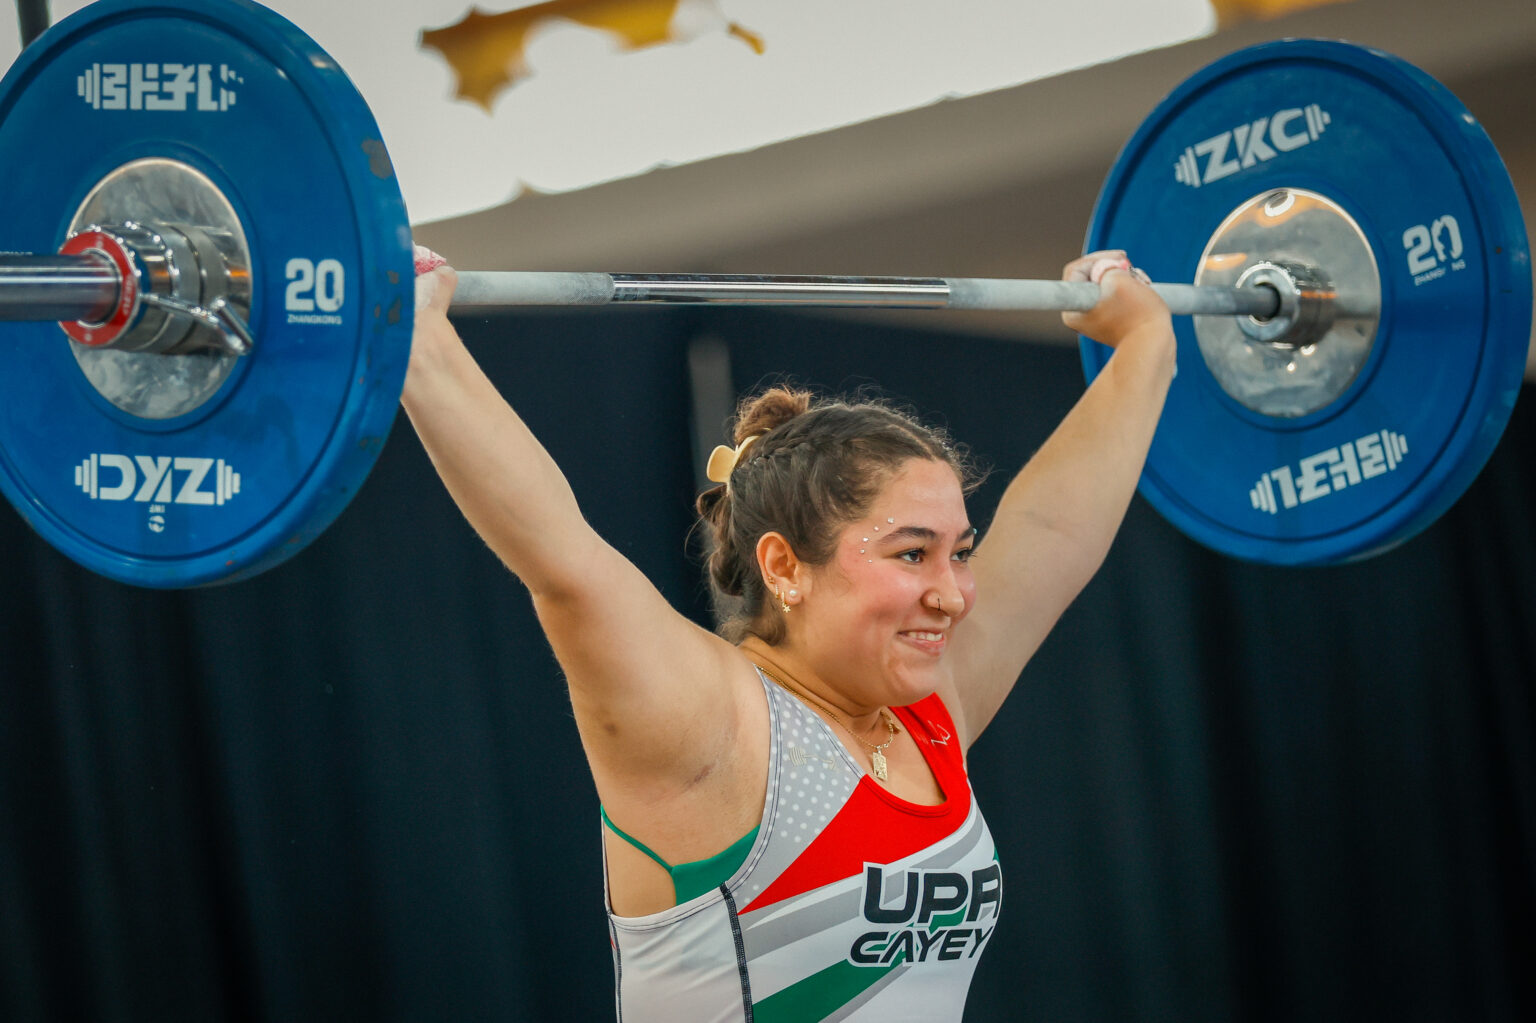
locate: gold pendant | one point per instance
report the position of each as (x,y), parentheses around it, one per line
(877,761)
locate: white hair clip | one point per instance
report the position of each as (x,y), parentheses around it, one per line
(722,460)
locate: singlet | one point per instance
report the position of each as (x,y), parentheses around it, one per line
(853,904)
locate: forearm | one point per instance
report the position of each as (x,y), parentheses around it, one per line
(502,479)
(1057,519)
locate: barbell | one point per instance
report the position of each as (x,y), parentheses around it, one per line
(227,251)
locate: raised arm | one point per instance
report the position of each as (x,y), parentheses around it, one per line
(652,692)
(1059,515)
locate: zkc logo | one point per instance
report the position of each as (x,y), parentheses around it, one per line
(1248,144)
(175,87)
(1328,472)
(145,478)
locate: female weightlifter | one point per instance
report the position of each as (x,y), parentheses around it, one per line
(788,828)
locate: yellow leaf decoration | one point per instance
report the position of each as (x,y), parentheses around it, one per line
(488,51)
(1232,12)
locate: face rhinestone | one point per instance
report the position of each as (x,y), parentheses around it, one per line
(891,521)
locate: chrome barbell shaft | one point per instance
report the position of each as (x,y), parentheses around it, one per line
(57,288)
(79,288)
(480,290)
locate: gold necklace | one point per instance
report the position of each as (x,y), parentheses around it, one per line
(877,766)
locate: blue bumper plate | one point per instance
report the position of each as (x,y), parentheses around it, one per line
(260,468)
(1405,161)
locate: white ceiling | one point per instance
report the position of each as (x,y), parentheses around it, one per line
(584,110)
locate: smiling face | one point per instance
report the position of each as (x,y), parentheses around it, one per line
(879,616)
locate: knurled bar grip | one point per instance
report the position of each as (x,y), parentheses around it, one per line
(80,288)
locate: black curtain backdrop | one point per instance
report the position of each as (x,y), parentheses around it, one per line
(352,789)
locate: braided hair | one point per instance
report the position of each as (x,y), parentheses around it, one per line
(816,465)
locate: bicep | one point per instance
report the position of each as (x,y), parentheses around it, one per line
(655,695)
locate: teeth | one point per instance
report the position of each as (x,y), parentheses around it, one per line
(932,637)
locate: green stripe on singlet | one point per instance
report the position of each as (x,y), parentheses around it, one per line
(820,994)
(823,993)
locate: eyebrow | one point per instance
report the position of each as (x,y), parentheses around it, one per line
(923,534)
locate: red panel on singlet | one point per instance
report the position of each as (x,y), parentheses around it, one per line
(875,826)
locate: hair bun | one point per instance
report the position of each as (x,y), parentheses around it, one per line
(769,410)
